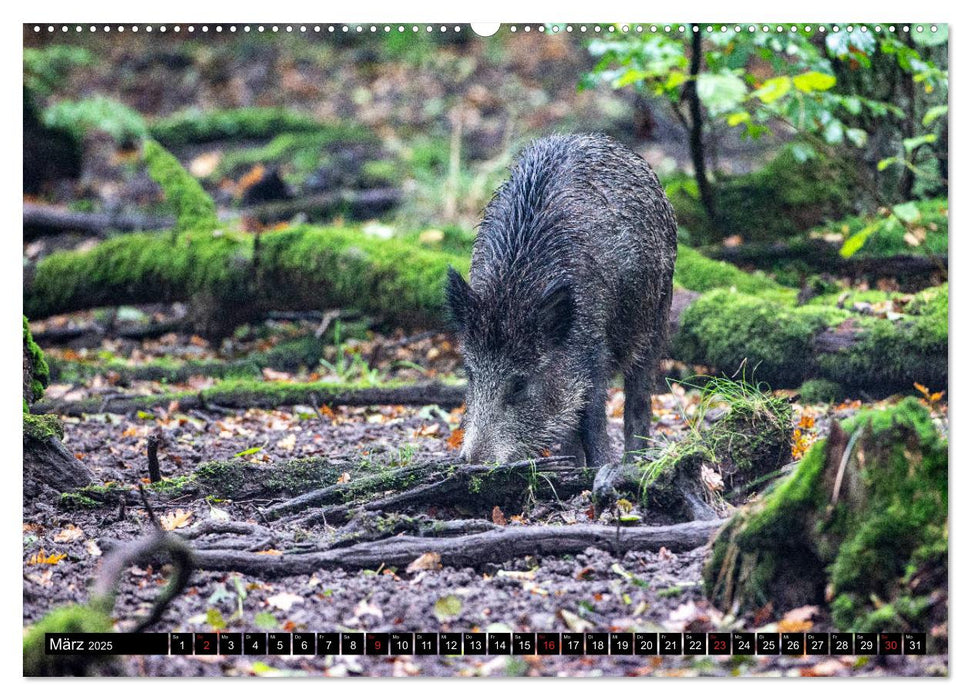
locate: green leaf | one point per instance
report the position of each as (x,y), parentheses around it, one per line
(856,241)
(145,415)
(448,608)
(675,78)
(934,113)
(265,620)
(738,118)
(813,81)
(721,92)
(215,619)
(912,143)
(833,133)
(773,89)
(907,211)
(631,76)
(886,163)
(250,451)
(857,137)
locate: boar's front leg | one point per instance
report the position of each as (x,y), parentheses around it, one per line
(593,425)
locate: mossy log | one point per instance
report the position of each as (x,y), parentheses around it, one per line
(861,522)
(287,356)
(235,278)
(475,486)
(739,318)
(243,394)
(785,345)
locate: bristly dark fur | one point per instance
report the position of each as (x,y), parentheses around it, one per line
(570,282)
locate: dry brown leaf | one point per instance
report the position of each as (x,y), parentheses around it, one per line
(454,441)
(69,534)
(429,561)
(176,520)
(270,552)
(498,517)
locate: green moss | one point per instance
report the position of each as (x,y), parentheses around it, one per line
(896,353)
(195,126)
(235,478)
(195,210)
(783,198)
(71,619)
(780,344)
(95,496)
(302,152)
(749,442)
(820,391)
(286,356)
(99,113)
(888,523)
(700,274)
(725,329)
(43,427)
(889,240)
(38,372)
(303,267)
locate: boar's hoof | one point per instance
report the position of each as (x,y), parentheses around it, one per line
(605,485)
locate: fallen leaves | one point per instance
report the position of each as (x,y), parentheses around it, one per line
(429,561)
(174,521)
(69,534)
(41,558)
(284,601)
(498,517)
(447,608)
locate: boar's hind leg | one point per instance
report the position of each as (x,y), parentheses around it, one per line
(638,381)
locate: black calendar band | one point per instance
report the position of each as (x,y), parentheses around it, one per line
(493,644)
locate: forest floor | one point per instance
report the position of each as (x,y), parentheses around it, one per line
(592,591)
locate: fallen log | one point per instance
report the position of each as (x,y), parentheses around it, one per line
(739,318)
(359,204)
(494,546)
(242,394)
(822,257)
(44,219)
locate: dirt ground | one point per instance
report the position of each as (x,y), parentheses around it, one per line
(593,591)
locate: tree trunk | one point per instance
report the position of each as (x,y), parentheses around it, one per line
(696,138)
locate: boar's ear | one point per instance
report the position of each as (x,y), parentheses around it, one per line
(460,298)
(556,311)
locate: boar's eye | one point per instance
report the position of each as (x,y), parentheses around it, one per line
(517,389)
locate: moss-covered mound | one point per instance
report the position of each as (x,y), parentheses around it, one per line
(70,619)
(861,523)
(750,442)
(783,198)
(786,345)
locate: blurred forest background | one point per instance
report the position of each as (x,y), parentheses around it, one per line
(229,235)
